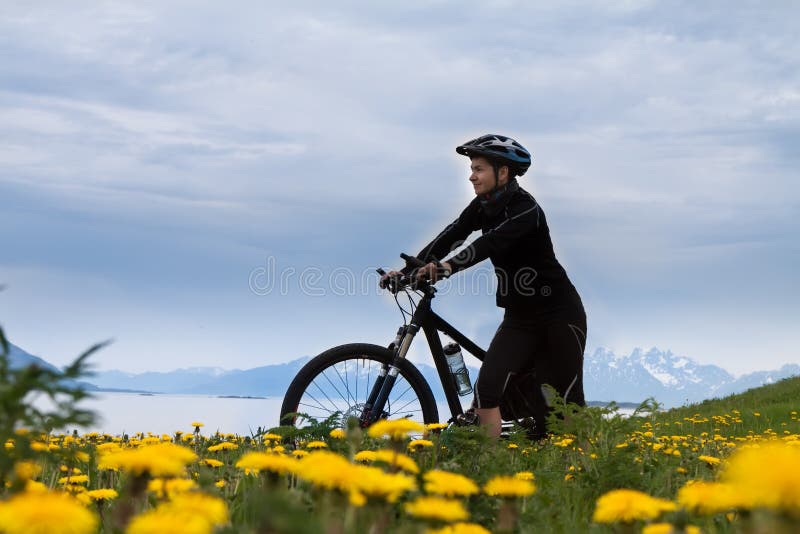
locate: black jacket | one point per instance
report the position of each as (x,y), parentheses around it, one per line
(517,240)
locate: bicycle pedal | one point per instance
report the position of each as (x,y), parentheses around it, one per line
(468,419)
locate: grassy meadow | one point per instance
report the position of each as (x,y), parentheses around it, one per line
(728,465)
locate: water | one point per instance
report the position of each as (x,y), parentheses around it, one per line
(164,414)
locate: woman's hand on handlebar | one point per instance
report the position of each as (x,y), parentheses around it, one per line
(388,277)
(434,271)
(415,271)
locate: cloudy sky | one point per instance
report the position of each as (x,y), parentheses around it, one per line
(213,184)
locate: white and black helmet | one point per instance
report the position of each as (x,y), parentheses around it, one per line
(500,149)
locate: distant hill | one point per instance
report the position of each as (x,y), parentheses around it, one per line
(671,379)
(18,358)
(770,402)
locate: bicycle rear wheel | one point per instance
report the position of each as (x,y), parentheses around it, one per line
(339,380)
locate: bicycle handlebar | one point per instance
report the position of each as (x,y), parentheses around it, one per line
(397,283)
(412,261)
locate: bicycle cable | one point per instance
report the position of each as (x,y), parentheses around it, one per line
(403,311)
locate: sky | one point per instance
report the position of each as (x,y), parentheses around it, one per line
(214,184)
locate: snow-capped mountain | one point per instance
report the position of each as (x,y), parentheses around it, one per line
(671,379)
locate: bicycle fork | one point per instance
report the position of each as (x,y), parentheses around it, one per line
(379,395)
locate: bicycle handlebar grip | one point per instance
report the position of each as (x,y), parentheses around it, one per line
(412,260)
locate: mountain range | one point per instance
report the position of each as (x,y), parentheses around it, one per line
(671,379)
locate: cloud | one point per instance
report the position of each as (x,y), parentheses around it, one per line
(664,139)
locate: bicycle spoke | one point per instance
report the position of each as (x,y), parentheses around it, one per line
(329,411)
(323,392)
(406,404)
(409,388)
(347,400)
(343,380)
(322,406)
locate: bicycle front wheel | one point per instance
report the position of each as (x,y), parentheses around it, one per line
(339,380)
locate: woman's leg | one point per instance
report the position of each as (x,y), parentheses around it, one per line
(509,353)
(490,420)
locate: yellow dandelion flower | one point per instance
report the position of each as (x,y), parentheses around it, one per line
(210,462)
(108,447)
(212,509)
(710,460)
(437,508)
(327,470)
(40,447)
(364,456)
(397,429)
(513,446)
(374,482)
(681,470)
(74,479)
(272,437)
(102,494)
(667,528)
(627,505)
(159,521)
(197,424)
(417,444)
(509,486)
(33,486)
(448,484)
(27,470)
(525,475)
(566,442)
(224,446)
(220,483)
(766,476)
(45,513)
(396,459)
(163,459)
(337,433)
(255,462)
(436,426)
(299,453)
(459,528)
(703,497)
(316,445)
(168,487)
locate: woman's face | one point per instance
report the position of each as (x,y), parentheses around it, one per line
(482,176)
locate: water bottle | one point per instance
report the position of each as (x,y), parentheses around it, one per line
(452,352)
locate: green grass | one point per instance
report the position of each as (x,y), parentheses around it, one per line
(773,403)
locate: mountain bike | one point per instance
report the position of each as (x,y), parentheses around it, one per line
(371,382)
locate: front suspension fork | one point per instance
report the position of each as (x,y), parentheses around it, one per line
(379,395)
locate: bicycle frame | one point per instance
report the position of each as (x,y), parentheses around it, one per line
(425,319)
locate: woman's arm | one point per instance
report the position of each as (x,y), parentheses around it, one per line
(454,233)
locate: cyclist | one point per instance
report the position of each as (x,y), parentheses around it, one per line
(544,324)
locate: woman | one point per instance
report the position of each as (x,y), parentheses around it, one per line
(544,326)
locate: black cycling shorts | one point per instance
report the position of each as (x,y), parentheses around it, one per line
(551,344)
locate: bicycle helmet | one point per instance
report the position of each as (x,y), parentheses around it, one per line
(499,149)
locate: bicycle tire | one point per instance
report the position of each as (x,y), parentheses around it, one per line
(315,381)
